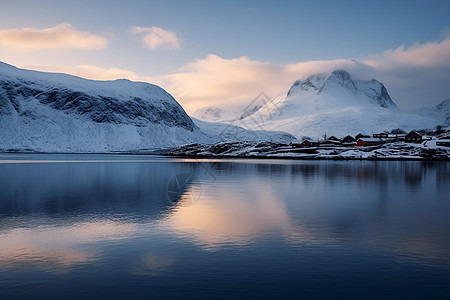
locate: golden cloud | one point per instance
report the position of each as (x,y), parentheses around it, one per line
(412,74)
(215,81)
(62,36)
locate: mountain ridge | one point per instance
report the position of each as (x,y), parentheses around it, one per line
(340,79)
(334,103)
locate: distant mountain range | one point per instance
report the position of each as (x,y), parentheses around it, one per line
(62,113)
(333,104)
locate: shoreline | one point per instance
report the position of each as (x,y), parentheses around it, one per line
(308,158)
(254,157)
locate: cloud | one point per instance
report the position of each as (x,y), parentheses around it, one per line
(62,36)
(215,81)
(156,37)
(415,77)
(418,55)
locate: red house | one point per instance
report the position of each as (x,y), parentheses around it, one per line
(364,142)
(306,143)
(413,137)
(298,144)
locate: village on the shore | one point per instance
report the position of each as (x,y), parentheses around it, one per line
(397,145)
(442,138)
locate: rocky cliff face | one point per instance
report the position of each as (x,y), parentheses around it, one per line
(118,102)
(58,112)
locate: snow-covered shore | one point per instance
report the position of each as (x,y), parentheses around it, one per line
(389,151)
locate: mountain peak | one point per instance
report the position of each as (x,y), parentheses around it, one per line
(338,103)
(440,111)
(339,83)
(339,79)
(444,105)
(311,83)
(341,75)
(320,82)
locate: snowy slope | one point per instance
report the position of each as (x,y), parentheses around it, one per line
(222,132)
(440,112)
(224,115)
(335,104)
(62,113)
(210,114)
(217,114)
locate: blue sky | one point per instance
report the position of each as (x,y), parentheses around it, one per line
(275,32)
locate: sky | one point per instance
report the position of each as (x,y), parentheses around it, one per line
(224,53)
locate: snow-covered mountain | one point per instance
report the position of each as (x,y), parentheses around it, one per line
(211,114)
(334,104)
(439,112)
(216,114)
(225,115)
(342,89)
(63,113)
(232,132)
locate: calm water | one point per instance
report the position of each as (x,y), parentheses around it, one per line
(90,226)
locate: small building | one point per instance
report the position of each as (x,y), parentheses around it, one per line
(302,144)
(330,142)
(413,137)
(295,143)
(360,136)
(364,142)
(306,143)
(348,141)
(333,138)
(443,142)
(382,135)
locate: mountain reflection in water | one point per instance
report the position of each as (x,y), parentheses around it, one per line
(115,220)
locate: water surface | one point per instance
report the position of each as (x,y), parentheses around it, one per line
(120,226)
